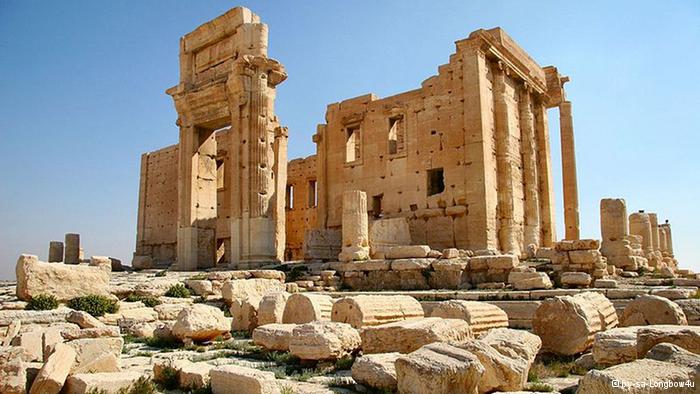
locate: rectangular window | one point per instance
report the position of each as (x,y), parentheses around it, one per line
(313,194)
(377,205)
(396,135)
(289,197)
(436,181)
(352,144)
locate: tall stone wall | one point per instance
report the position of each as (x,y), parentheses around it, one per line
(459,157)
(300,204)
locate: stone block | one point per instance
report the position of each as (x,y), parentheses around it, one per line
(307,307)
(200,322)
(407,252)
(408,335)
(649,309)
(63,281)
(274,336)
(385,233)
(324,341)
(376,370)
(245,380)
(271,307)
(371,310)
(103,382)
(480,316)
(411,264)
(53,374)
(687,337)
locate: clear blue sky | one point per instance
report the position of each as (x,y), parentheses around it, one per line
(82,96)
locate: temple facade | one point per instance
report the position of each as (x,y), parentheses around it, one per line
(465,158)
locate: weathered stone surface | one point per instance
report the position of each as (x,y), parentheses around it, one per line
(580,279)
(201,288)
(53,374)
(274,336)
(307,307)
(355,227)
(371,310)
(195,375)
(408,335)
(501,372)
(606,309)
(271,307)
(411,264)
(96,354)
(104,382)
(605,283)
(200,322)
(513,343)
(480,316)
(502,262)
(385,233)
(34,317)
(629,377)
(687,337)
(13,373)
(63,281)
(155,288)
(169,311)
(250,288)
(650,309)
(84,319)
(529,280)
(245,380)
(376,370)
(566,324)
(691,308)
(615,346)
(407,252)
(676,355)
(438,368)
(70,334)
(323,341)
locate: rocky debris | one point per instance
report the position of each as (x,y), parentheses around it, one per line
(244,296)
(606,309)
(528,280)
(84,319)
(650,309)
(513,343)
(53,374)
(63,281)
(566,324)
(480,316)
(70,334)
(635,377)
(438,368)
(245,380)
(376,370)
(200,323)
(13,371)
(371,310)
(501,373)
(103,382)
(274,336)
(96,354)
(201,288)
(271,307)
(615,346)
(306,307)
(34,317)
(190,376)
(687,337)
(605,283)
(12,331)
(677,355)
(324,341)
(691,308)
(168,311)
(155,288)
(575,279)
(408,335)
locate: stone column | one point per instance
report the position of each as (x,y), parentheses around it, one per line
(529,151)
(544,175)
(662,240)
(654,221)
(507,233)
(568,161)
(669,239)
(280,169)
(55,252)
(72,249)
(355,227)
(640,224)
(613,220)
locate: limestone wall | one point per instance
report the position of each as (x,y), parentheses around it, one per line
(301,210)
(448,156)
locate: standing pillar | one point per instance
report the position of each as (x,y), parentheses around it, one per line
(662,240)
(507,232)
(529,151)
(55,251)
(568,162)
(544,175)
(654,221)
(669,239)
(196,239)
(355,227)
(72,249)
(640,224)
(613,220)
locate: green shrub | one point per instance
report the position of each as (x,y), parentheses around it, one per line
(142,386)
(178,291)
(169,378)
(147,300)
(161,273)
(42,302)
(96,305)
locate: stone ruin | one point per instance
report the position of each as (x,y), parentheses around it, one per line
(414,253)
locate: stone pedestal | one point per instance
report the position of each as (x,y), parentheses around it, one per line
(55,252)
(72,249)
(621,249)
(355,227)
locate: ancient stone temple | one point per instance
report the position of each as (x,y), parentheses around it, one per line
(231,158)
(464,159)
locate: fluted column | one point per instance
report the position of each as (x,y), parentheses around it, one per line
(568,162)
(507,232)
(529,152)
(544,175)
